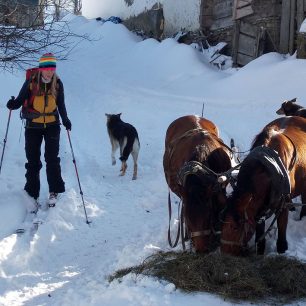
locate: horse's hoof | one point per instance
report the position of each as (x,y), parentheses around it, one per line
(260,247)
(282,246)
(134,178)
(303,212)
(114,163)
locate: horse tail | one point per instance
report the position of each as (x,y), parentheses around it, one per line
(264,137)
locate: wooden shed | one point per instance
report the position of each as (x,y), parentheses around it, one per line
(253,27)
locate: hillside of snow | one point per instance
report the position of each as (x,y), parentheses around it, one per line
(67,262)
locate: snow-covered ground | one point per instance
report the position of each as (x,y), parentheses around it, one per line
(151,83)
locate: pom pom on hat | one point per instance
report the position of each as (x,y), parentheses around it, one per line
(47,62)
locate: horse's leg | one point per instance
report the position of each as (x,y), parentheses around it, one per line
(282,221)
(303,210)
(260,242)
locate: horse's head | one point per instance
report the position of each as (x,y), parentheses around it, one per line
(239,225)
(249,199)
(203,197)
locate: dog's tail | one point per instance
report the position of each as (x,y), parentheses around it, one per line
(129,147)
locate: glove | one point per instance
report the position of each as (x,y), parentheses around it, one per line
(11,103)
(67,124)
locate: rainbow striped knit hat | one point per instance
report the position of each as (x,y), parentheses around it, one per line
(47,62)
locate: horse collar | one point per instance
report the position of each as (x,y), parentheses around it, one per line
(271,160)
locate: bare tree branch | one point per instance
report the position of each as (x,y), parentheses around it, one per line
(28,30)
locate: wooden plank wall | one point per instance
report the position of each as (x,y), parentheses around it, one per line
(206,14)
(247,43)
(222,14)
(281,20)
(293,14)
(257,32)
(242,8)
(216,21)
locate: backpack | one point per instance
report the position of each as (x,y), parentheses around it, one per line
(31,72)
(27,111)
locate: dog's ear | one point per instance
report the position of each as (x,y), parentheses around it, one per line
(293,100)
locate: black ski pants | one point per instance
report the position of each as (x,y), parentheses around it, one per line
(33,141)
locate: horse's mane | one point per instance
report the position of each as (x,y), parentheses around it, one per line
(244,184)
(196,187)
(215,158)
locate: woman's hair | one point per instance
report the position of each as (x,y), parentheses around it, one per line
(54,86)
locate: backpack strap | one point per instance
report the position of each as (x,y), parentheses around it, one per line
(27,111)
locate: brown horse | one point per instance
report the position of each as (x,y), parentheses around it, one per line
(193,159)
(271,175)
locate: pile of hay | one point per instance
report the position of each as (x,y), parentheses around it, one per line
(251,278)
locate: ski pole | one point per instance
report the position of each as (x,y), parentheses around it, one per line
(77,174)
(5,138)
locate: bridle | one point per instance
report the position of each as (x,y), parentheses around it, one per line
(210,230)
(248,226)
(199,169)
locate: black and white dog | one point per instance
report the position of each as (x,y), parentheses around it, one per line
(290,108)
(125,136)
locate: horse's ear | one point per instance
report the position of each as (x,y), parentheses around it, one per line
(119,115)
(107,115)
(293,100)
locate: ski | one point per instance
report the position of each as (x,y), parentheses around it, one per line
(27,222)
(35,226)
(35,218)
(31,227)
(20,231)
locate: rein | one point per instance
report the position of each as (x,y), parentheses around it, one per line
(180,228)
(276,215)
(293,160)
